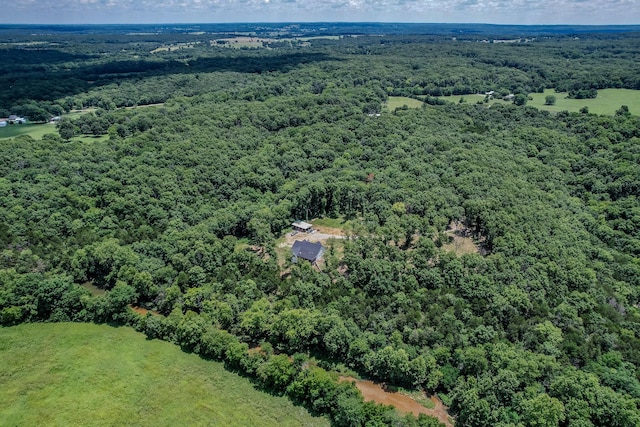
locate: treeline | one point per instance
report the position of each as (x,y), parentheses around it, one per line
(57,298)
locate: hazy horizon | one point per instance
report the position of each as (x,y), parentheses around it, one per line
(500,12)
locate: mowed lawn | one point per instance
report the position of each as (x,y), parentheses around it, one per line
(36,131)
(74,374)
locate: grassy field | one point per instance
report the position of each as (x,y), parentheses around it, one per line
(247,42)
(398,101)
(339,223)
(66,374)
(36,131)
(607,101)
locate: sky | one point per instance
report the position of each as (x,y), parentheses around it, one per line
(528,12)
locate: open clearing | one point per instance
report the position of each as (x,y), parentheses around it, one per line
(374,392)
(394,102)
(240,42)
(38,130)
(75,374)
(35,131)
(461,240)
(95,291)
(262,42)
(607,101)
(326,229)
(174,47)
(322,235)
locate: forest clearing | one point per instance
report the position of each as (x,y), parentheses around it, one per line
(462,241)
(405,404)
(608,101)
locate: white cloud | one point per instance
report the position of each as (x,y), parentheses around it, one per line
(489,11)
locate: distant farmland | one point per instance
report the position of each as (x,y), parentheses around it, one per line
(606,103)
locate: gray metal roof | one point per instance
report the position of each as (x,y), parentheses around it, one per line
(307,250)
(301,224)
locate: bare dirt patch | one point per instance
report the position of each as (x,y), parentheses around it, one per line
(374,392)
(143,311)
(322,234)
(463,241)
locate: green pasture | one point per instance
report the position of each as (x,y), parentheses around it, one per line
(339,222)
(394,102)
(74,374)
(36,131)
(90,138)
(607,101)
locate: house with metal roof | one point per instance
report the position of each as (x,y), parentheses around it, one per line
(310,251)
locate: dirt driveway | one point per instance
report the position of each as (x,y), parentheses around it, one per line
(404,404)
(322,234)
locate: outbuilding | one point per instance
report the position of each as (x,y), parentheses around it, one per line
(302,226)
(15,120)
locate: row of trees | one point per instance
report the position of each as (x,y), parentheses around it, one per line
(34,297)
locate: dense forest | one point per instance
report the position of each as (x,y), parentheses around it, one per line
(177,207)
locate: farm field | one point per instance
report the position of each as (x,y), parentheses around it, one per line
(607,101)
(84,374)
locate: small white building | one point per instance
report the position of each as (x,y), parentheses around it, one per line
(15,120)
(302,226)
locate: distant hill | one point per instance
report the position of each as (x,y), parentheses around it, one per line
(288,29)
